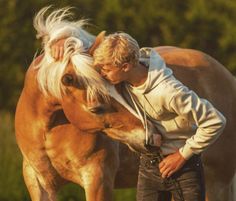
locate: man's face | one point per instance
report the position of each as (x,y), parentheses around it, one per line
(114,74)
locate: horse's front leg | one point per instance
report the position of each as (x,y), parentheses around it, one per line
(36,190)
(99,184)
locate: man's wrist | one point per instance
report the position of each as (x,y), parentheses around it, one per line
(186,152)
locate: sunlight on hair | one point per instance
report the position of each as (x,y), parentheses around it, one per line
(50,72)
(56,26)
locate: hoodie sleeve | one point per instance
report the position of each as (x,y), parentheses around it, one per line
(209,121)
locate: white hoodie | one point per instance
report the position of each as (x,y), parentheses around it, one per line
(187,123)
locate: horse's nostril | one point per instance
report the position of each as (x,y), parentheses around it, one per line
(107,125)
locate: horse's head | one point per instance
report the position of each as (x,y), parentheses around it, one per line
(83,93)
(88,104)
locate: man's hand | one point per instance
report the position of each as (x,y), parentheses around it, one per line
(57,49)
(171,164)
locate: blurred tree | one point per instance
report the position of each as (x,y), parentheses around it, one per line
(203,25)
(17,48)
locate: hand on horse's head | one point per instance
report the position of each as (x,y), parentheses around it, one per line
(57,49)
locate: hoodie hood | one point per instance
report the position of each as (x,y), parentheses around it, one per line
(157,70)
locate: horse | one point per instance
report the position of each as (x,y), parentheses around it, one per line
(55,151)
(195,69)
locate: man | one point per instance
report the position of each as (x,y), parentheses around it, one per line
(188,124)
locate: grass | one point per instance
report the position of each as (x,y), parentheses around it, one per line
(12,187)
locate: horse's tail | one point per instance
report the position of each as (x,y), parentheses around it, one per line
(56,25)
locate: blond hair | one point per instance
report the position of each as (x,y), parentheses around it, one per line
(53,27)
(117,49)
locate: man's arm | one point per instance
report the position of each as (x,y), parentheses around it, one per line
(210,123)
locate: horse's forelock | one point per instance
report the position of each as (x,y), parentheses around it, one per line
(96,86)
(49,76)
(50,72)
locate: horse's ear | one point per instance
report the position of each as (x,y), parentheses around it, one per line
(100,37)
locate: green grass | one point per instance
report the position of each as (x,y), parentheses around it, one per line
(125,194)
(12,187)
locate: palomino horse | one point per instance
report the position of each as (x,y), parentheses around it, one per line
(55,151)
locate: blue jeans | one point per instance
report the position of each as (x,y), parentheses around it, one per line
(187,184)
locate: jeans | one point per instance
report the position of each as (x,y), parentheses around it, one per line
(187,184)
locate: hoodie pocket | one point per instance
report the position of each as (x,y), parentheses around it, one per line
(182,123)
(176,125)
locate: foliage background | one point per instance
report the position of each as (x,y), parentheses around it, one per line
(204,25)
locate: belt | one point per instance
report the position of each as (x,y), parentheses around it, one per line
(154,159)
(151,159)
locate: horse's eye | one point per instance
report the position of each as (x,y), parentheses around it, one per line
(67,79)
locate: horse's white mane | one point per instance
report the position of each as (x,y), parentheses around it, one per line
(52,28)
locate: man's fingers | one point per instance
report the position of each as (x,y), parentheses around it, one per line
(171,164)
(161,164)
(166,169)
(57,49)
(165,172)
(57,54)
(170,173)
(53,52)
(162,169)
(61,52)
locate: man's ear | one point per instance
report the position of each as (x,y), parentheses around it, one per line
(127,66)
(100,37)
